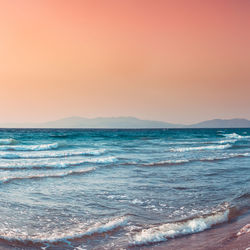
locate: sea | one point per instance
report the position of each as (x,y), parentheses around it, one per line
(119,188)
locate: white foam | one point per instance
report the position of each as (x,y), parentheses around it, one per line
(50,154)
(49,175)
(172,230)
(167,162)
(227,141)
(212,158)
(224,157)
(70,234)
(8,141)
(31,147)
(244,230)
(55,163)
(236,136)
(211,147)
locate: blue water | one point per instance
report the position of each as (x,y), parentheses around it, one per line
(104,189)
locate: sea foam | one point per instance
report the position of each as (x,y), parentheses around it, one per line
(50,154)
(49,175)
(183,161)
(31,147)
(167,162)
(211,147)
(48,163)
(236,136)
(73,233)
(172,230)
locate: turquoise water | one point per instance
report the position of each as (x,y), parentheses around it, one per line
(104,189)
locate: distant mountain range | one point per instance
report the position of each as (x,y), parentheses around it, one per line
(127,122)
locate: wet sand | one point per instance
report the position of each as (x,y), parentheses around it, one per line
(222,237)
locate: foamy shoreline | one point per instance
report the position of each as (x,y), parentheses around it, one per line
(234,236)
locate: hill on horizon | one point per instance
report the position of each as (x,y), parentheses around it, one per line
(127,122)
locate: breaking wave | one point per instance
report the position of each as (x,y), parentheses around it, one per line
(212,147)
(236,136)
(50,175)
(227,141)
(183,161)
(51,154)
(225,157)
(31,147)
(73,233)
(167,162)
(172,230)
(40,164)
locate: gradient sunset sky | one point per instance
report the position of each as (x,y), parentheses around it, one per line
(177,61)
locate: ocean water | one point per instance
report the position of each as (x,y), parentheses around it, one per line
(119,189)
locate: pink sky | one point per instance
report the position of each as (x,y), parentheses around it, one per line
(176,61)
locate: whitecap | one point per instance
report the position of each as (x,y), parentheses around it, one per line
(224,157)
(211,147)
(183,161)
(236,136)
(48,163)
(8,179)
(50,154)
(167,162)
(31,147)
(172,230)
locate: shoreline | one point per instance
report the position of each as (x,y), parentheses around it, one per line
(234,235)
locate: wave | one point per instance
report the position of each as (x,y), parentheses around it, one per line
(225,157)
(236,136)
(183,161)
(42,164)
(244,195)
(167,162)
(51,154)
(52,175)
(172,230)
(40,147)
(212,147)
(9,141)
(227,141)
(69,235)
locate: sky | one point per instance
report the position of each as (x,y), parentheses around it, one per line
(176,61)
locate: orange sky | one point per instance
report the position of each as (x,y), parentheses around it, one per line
(177,61)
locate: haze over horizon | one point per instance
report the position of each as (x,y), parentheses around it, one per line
(173,61)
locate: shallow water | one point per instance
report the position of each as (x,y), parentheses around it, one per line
(88,189)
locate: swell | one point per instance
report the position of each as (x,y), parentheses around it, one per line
(9,141)
(184,161)
(52,175)
(40,147)
(245,195)
(50,154)
(242,200)
(167,162)
(43,164)
(79,232)
(225,157)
